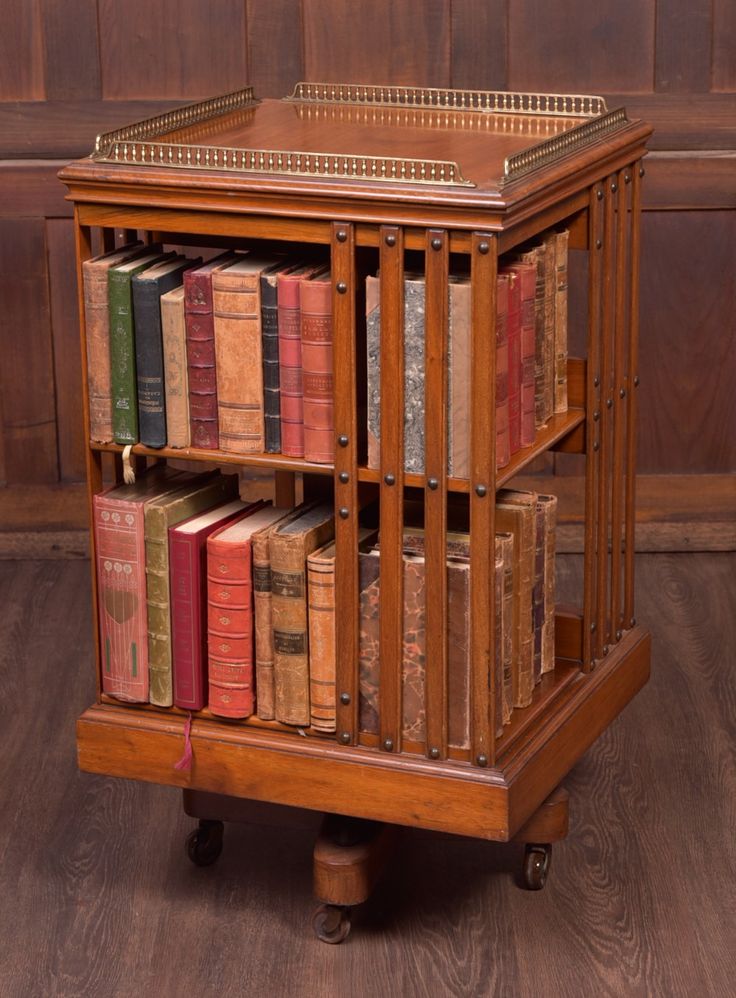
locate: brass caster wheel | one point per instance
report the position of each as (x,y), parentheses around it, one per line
(204,844)
(537,859)
(331,923)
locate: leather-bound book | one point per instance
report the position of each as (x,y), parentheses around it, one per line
(120,555)
(97,333)
(317,376)
(230,613)
(271,378)
(550,292)
(549,507)
(195,493)
(516,514)
(538,588)
(188,587)
(176,382)
(148,286)
(200,334)
(527,275)
(236,294)
(503,439)
(291,391)
(536,257)
(458,379)
(505,554)
(262,613)
(515,373)
(561,252)
(290,545)
(498,646)
(122,344)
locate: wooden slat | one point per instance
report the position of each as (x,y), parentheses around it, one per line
(347,588)
(683,46)
(633,391)
(437,258)
(483,272)
(21,52)
(391,614)
(274,26)
(71,49)
(479,44)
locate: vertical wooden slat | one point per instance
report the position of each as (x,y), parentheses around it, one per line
(592,426)
(633,383)
(483,274)
(619,401)
(391,613)
(437,257)
(347,590)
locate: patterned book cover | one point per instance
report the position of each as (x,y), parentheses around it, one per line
(176,381)
(549,506)
(316,339)
(561,251)
(516,514)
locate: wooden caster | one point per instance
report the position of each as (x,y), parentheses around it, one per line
(548,824)
(331,923)
(204,844)
(537,859)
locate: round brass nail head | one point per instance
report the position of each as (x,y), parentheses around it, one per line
(342,236)
(434,753)
(388,745)
(391,240)
(344,512)
(483,247)
(600,195)
(480,491)
(345,737)
(596,445)
(436,244)
(342,440)
(389,479)
(345,699)
(598,244)
(432,483)
(341,287)
(344,477)
(482,760)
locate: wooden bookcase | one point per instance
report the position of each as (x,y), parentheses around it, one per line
(370,173)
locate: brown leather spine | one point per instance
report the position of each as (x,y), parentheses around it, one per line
(549,506)
(176,382)
(321,591)
(516,514)
(316,338)
(229,628)
(505,552)
(561,251)
(549,361)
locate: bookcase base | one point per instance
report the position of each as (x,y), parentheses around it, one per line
(367,783)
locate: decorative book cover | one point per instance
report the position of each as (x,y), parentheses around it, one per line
(236,294)
(561,252)
(97,335)
(194,494)
(176,381)
(120,556)
(513,323)
(200,334)
(317,380)
(148,286)
(291,391)
(516,514)
(262,612)
(505,554)
(290,545)
(549,507)
(122,344)
(188,587)
(527,275)
(503,440)
(550,293)
(270,346)
(536,257)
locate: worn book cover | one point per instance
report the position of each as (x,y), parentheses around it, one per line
(548,504)
(505,554)
(527,276)
(317,378)
(516,514)
(513,324)
(561,250)
(270,346)
(176,381)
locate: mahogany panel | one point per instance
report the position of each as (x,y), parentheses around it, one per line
(21,48)
(679,181)
(172,48)
(274,29)
(683,121)
(380,42)
(683,46)
(479,39)
(26,388)
(71,49)
(31,189)
(572,46)
(724,45)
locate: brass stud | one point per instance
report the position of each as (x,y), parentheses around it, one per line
(596,416)
(642,171)
(636,381)
(618,635)
(344,512)
(483,247)
(434,753)
(605,649)
(345,737)
(344,477)
(622,393)
(599,193)
(480,491)
(609,403)
(432,483)
(345,699)
(633,622)
(342,440)
(389,479)
(614,187)
(436,244)
(341,287)
(388,745)
(598,244)
(390,240)
(596,381)
(627,178)
(596,446)
(482,760)
(592,628)
(341,236)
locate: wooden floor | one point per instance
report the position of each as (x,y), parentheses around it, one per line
(98,899)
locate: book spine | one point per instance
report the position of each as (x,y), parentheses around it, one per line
(515,372)
(229,629)
(321,615)
(290,369)
(239,360)
(369,567)
(549,361)
(176,385)
(414,326)
(121,590)
(498,692)
(373,371)
(149,360)
(561,252)
(316,337)
(201,369)
(413,702)
(271,384)
(290,637)
(187,633)
(538,256)
(122,360)
(538,588)
(263,622)
(528,281)
(549,504)
(458,656)
(505,552)
(97,329)
(503,443)
(458,379)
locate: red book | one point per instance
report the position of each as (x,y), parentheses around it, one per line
(316,326)
(188,580)
(503,443)
(513,327)
(290,359)
(201,367)
(527,274)
(230,650)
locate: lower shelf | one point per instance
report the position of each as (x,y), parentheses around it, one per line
(321,775)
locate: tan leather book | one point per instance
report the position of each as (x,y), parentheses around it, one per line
(505,553)
(290,544)
(176,379)
(561,250)
(236,300)
(549,506)
(516,515)
(498,646)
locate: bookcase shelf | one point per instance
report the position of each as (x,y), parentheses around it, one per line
(521,165)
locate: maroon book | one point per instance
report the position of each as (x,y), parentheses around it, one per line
(527,274)
(316,327)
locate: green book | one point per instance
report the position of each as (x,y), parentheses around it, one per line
(122,345)
(195,494)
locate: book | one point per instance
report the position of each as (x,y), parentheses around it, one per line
(200,335)
(317,380)
(270,345)
(97,336)
(503,438)
(290,357)
(122,344)
(505,554)
(538,587)
(458,378)
(498,647)
(188,588)
(236,298)
(516,514)
(535,256)
(262,613)
(548,504)
(513,323)
(527,276)
(120,557)
(290,544)
(148,286)
(230,613)
(548,358)
(194,494)
(561,251)
(176,381)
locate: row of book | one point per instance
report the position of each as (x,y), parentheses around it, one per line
(235,354)
(208,601)
(531,356)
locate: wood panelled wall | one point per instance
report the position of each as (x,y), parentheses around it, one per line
(69,70)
